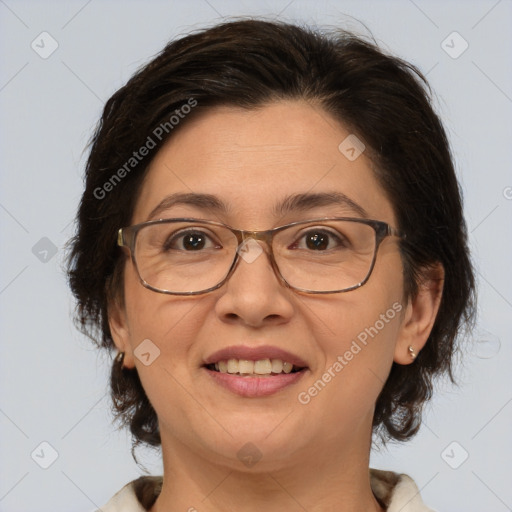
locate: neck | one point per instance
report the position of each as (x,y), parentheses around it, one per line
(322,479)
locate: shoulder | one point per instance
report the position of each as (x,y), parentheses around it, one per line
(397,492)
(132,495)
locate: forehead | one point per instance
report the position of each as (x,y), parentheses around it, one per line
(253,158)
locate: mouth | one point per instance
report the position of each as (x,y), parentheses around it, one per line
(259,368)
(254,371)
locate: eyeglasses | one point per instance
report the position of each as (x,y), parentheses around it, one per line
(190,256)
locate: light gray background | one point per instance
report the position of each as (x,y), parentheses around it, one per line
(53,383)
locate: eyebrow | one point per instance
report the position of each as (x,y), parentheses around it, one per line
(308,201)
(292,203)
(202,201)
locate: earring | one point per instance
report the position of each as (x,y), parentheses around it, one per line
(119,358)
(411,351)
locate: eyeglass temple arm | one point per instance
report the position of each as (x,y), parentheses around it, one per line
(124,237)
(395,232)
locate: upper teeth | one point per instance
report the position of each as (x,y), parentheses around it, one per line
(260,367)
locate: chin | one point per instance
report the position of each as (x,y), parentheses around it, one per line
(265,441)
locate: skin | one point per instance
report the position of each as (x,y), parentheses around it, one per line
(315,457)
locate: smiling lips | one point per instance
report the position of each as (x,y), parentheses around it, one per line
(254,371)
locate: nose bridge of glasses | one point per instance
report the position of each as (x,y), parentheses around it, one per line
(258,236)
(250,246)
(249,253)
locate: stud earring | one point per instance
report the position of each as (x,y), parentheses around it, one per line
(411,351)
(119,358)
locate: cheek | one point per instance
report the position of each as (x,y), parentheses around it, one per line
(172,325)
(162,330)
(157,316)
(357,332)
(357,363)
(362,332)
(368,317)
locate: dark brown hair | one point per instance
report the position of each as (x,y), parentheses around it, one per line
(385,101)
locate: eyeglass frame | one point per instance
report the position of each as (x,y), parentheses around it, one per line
(126,237)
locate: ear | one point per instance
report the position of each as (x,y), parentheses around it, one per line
(420,315)
(120,331)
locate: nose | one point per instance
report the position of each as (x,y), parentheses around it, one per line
(254,295)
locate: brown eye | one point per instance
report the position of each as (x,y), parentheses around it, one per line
(193,241)
(189,241)
(319,240)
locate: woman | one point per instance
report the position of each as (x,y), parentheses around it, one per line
(271,236)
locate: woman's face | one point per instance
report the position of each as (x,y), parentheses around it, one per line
(252,161)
